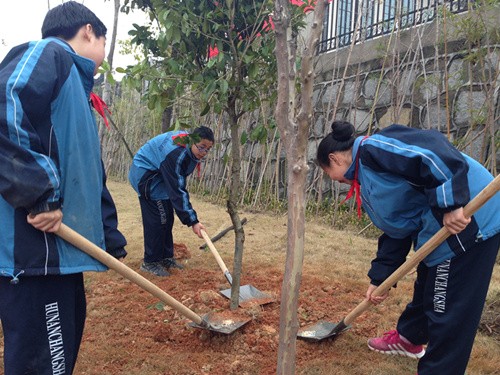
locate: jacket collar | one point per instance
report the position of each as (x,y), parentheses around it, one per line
(182,133)
(84,65)
(352,168)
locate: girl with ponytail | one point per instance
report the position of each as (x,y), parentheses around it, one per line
(411,183)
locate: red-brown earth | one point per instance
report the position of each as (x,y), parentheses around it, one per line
(129,331)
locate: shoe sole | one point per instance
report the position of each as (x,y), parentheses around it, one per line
(177,267)
(173,267)
(153,273)
(399,351)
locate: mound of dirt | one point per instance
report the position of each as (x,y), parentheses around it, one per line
(128,331)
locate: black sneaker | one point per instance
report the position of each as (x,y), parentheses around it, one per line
(171,263)
(156,268)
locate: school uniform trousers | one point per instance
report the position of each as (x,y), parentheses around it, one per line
(446,309)
(42,319)
(157,223)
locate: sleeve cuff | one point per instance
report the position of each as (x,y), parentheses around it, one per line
(193,223)
(118,253)
(44,207)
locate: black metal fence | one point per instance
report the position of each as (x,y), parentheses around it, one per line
(362,20)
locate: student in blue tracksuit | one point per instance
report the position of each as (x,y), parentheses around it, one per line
(411,183)
(50,171)
(158,174)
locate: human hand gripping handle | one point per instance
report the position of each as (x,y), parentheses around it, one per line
(197,228)
(377,298)
(49,221)
(456,221)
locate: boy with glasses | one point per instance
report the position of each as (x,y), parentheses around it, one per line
(158,175)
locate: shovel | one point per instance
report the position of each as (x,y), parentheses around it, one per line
(323,330)
(209,321)
(248,293)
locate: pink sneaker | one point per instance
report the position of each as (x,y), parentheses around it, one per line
(392,343)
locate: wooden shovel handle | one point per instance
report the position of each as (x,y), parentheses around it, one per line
(102,256)
(489,191)
(217,256)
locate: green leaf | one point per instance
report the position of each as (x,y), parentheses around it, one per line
(176,36)
(157,306)
(224,85)
(110,78)
(164,15)
(244,138)
(259,134)
(105,66)
(174,65)
(179,89)
(211,63)
(152,102)
(205,110)
(218,107)
(209,89)
(252,71)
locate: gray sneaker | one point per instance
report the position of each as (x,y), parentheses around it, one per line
(171,263)
(155,268)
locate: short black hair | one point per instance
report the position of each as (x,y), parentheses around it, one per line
(66,19)
(204,133)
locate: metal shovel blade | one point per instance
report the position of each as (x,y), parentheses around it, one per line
(249,294)
(220,323)
(321,330)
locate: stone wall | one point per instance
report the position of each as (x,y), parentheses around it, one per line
(410,80)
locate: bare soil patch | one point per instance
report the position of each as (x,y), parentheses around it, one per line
(128,331)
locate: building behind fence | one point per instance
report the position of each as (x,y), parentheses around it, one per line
(352,21)
(402,68)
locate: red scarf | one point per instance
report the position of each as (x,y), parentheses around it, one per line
(181,135)
(355,187)
(100,106)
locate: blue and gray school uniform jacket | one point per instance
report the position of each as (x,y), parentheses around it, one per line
(409,178)
(159,171)
(49,159)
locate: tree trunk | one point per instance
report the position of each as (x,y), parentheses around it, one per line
(166,119)
(294,131)
(232,205)
(106,93)
(112,42)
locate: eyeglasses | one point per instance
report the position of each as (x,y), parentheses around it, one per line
(202,149)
